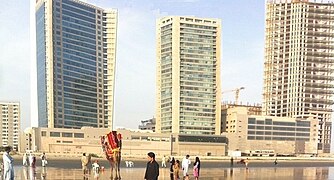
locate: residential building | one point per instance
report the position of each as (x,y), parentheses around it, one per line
(299,63)
(148,124)
(188,90)
(248,133)
(10,120)
(76,52)
(71,142)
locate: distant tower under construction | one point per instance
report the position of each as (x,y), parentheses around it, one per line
(299,63)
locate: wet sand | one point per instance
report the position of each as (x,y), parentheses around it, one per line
(70,168)
(299,173)
(76,163)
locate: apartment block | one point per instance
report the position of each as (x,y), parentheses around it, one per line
(10,120)
(299,63)
(188,90)
(76,56)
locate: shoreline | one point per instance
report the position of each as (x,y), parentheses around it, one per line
(203,158)
(224,163)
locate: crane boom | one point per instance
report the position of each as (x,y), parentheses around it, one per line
(237,93)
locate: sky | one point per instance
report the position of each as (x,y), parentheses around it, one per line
(135,83)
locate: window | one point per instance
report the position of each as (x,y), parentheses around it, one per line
(251,127)
(67,134)
(78,135)
(251,120)
(54,134)
(135,137)
(43,133)
(268,121)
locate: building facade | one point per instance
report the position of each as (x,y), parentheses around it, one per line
(188,75)
(148,124)
(299,57)
(76,52)
(10,120)
(134,143)
(282,135)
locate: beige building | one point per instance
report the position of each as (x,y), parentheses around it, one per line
(134,143)
(247,132)
(299,56)
(10,124)
(188,75)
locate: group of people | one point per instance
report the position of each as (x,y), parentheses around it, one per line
(86,161)
(30,160)
(175,168)
(246,162)
(8,167)
(152,168)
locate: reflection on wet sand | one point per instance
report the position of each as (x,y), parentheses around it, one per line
(314,173)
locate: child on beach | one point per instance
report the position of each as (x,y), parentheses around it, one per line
(96,167)
(176,170)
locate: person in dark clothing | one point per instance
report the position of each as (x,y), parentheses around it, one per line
(152,168)
(172,162)
(197,167)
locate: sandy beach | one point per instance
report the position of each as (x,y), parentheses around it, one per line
(212,168)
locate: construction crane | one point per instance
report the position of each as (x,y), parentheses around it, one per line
(237,92)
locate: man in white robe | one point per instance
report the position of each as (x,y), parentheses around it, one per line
(185,165)
(8,169)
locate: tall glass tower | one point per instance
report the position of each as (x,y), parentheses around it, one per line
(76,52)
(299,63)
(188,75)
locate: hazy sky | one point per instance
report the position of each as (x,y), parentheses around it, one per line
(242,52)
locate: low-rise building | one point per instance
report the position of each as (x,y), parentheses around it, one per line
(148,124)
(249,133)
(134,143)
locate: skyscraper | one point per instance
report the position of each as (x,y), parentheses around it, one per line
(188,75)
(299,57)
(76,52)
(9,124)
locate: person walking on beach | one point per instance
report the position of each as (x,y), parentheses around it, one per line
(171,162)
(25,160)
(185,165)
(176,170)
(163,161)
(8,169)
(231,161)
(32,160)
(246,163)
(197,167)
(84,163)
(275,162)
(152,167)
(44,161)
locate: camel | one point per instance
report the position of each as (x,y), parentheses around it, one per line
(111,145)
